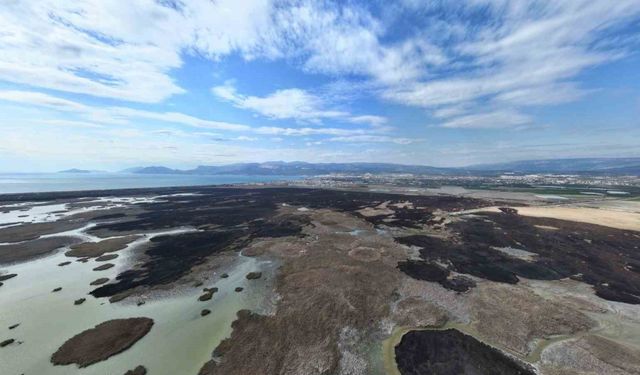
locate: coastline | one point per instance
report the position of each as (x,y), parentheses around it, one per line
(32,183)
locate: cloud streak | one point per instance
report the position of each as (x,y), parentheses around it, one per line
(296,104)
(125,115)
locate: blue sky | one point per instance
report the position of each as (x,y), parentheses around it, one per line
(107,84)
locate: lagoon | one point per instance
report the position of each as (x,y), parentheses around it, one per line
(45,182)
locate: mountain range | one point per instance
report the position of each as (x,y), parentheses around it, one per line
(294,169)
(613,166)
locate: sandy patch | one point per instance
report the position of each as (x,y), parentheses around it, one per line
(545,227)
(608,218)
(97,249)
(517,253)
(606,215)
(379,210)
(405,204)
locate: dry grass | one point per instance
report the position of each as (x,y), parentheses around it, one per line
(604,217)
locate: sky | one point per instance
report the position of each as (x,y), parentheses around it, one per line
(106,84)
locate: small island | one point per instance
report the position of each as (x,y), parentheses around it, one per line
(75,170)
(102,341)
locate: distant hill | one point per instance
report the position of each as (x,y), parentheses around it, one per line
(614,166)
(617,166)
(76,170)
(153,170)
(295,169)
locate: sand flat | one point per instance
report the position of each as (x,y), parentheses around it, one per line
(606,213)
(598,216)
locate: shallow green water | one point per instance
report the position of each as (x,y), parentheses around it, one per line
(41,182)
(179,342)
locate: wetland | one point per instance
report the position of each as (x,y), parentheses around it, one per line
(282,280)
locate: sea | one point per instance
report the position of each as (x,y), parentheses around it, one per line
(46,182)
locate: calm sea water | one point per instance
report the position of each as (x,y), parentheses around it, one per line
(43,182)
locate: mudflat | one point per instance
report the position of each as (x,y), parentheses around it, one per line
(97,249)
(102,341)
(32,231)
(18,252)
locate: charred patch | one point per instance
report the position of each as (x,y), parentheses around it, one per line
(109,217)
(459,284)
(428,271)
(422,270)
(403,217)
(228,218)
(509,210)
(480,261)
(229,207)
(279,227)
(451,352)
(420,212)
(616,293)
(600,256)
(169,258)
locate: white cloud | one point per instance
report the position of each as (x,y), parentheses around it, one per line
(513,52)
(125,115)
(295,104)
(450,110)
(112,115)
(122,50)
(489,120)
(89,47)
(117,149)
(272,130)
(375,121)
(176,118)
(542,95)
(282,104)
(102,48)
(71,123)
(339,39)
(520,54)
(42,100)
(244,138)
(374,139)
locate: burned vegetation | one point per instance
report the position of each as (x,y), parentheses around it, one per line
(224,222)
(488,246)
(478,245)
(227,219)
(451,352)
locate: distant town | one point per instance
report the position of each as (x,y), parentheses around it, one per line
(561,184)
